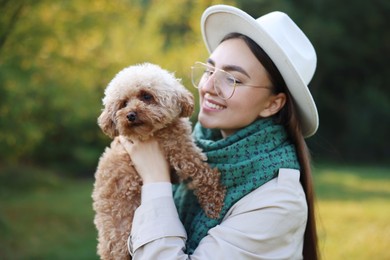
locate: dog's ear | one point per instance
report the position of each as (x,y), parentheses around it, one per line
(187,103)
(106,122)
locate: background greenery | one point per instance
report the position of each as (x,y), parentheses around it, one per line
(56,58)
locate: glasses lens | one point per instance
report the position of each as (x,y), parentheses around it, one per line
(224,83)
(199,75)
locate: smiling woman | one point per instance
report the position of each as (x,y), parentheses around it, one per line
(255,111)
(236,114)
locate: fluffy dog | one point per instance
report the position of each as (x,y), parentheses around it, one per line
(144,101)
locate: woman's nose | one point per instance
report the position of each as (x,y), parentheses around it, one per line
(208,85)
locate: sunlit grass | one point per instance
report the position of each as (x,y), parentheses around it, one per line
(353,212)
(47,217)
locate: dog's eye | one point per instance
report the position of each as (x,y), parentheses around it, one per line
(145,96)
(124,103)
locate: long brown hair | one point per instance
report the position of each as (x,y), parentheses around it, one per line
(288,116)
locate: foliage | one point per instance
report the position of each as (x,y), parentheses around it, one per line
(56,57)
(60,55)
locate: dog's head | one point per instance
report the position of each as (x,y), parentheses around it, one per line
(142,99)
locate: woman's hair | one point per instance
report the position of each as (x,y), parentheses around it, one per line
(288,117)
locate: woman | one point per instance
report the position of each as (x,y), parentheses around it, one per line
(255,111)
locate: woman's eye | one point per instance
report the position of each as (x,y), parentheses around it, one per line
(208,72)
(233,80)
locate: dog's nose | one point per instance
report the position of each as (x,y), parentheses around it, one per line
(132,116)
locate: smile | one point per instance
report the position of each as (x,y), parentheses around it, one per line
(213,106)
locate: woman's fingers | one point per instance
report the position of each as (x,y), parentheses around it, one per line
(148,159)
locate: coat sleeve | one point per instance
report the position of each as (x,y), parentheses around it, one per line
(268,223)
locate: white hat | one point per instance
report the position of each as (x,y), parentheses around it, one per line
(283,41)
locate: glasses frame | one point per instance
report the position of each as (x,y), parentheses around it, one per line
(213,69)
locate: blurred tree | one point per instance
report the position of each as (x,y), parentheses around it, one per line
(54,67)
(56,58)
(9,19)
(353,44)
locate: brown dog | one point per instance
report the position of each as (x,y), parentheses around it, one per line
(141,102)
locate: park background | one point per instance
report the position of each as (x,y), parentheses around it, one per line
(57,57)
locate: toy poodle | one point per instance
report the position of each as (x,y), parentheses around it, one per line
(141,102)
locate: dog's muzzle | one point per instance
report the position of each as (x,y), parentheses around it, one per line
(132,116)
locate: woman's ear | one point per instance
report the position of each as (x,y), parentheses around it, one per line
(276,103)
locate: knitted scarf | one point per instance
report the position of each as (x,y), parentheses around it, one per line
(247,159)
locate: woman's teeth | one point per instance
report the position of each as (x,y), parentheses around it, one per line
(213,106)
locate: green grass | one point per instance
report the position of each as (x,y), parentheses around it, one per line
(43,216)
(353,212)
(48,218)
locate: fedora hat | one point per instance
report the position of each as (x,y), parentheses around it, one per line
(283,41)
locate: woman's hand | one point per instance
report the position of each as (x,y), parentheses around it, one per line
(148,160)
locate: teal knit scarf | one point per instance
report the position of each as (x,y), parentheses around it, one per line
(247,159)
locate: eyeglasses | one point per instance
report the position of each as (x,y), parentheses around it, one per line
(224,82)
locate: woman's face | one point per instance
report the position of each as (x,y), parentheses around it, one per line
(247,103)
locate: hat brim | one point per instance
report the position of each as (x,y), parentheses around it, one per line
(220,20)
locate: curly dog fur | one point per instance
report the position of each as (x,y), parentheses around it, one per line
(144,101)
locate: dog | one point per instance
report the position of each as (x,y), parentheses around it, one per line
(145,101)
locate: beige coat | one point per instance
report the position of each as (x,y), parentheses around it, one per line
(268,223)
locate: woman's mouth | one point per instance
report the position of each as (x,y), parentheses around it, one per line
(214,106)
